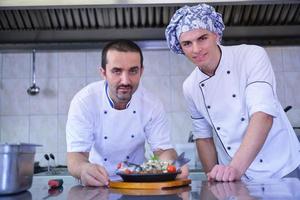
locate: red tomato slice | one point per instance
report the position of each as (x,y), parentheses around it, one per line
(171,169)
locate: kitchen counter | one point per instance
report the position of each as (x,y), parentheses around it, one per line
(199,189)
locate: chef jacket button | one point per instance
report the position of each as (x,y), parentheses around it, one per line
(242,119)
(134,112)
(228,72)
(132,136)
(105,137)
(233,95)
(105,112)
(228,148)
(105,159)
(202,85)
(218,128)
(208,107)
(261,160)
(127,157)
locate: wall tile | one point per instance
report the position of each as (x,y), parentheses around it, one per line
(16,101)
(1,65)
(294,116)
(160,87)
(71,64)
(180,65)
(291,59)
(46,65)
(62,145)
(43,130)
(93,63)
(16,65)
(62,158)
(292,91)
(14,129)
(280,88)
(67,88)
(276,58)
(177,99)
(46,101)
(181,125)
(156,63)
(92,79)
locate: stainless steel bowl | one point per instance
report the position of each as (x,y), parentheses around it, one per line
(16,167)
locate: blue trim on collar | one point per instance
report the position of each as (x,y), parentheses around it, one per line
(108,97)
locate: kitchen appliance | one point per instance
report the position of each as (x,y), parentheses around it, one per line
(16,167)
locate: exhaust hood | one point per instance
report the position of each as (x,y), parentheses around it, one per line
(71,23)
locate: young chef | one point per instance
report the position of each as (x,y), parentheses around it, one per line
(110,120)
(240,128)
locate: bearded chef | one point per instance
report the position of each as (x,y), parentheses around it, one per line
(109,121)
(240,128)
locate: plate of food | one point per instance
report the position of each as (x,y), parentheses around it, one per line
(154,170)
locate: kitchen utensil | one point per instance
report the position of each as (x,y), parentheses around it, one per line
(53,192)
(55,183)
(147,185)
(33,90)
(180,161)
(48,159)
(16,167)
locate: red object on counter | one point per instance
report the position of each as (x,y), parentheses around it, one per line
(55,183)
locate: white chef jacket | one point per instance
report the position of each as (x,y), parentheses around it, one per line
(112,136)
(244,83)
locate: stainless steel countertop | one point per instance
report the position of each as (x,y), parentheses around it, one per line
(199,189)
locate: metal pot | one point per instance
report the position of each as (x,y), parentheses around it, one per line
(16,167)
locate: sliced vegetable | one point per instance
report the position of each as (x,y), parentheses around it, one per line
(171,169)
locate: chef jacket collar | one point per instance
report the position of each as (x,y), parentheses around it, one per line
(223,62)
(111,102)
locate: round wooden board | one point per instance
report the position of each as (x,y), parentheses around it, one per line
(152,192)
(149,185)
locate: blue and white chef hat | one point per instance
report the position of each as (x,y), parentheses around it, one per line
(189,18)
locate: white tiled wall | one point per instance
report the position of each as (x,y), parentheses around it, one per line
(60,74)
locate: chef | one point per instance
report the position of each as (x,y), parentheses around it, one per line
(109,121)
(240,128)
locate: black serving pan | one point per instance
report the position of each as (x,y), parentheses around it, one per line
(159,177)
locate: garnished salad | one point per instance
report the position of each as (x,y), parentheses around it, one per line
(152,166)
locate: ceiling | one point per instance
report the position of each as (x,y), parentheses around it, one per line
(71,23)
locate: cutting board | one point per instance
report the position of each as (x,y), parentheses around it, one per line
(149,185)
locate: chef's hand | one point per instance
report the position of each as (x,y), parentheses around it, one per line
(223,173)
(184,172)
(93,175)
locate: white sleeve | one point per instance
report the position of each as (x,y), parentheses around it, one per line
(260,90)
(157,130)
(201,128)
(79,128)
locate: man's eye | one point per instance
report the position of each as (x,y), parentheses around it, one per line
(116,71)
(134,71)
(186,44)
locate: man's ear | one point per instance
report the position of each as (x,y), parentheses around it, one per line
(102,72)
(217,38)
(142,70)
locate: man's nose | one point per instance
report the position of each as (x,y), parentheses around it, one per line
(125,79)
(196,48)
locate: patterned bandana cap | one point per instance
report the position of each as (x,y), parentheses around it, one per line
(190,18)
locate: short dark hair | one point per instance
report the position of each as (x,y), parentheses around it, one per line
(123,46)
